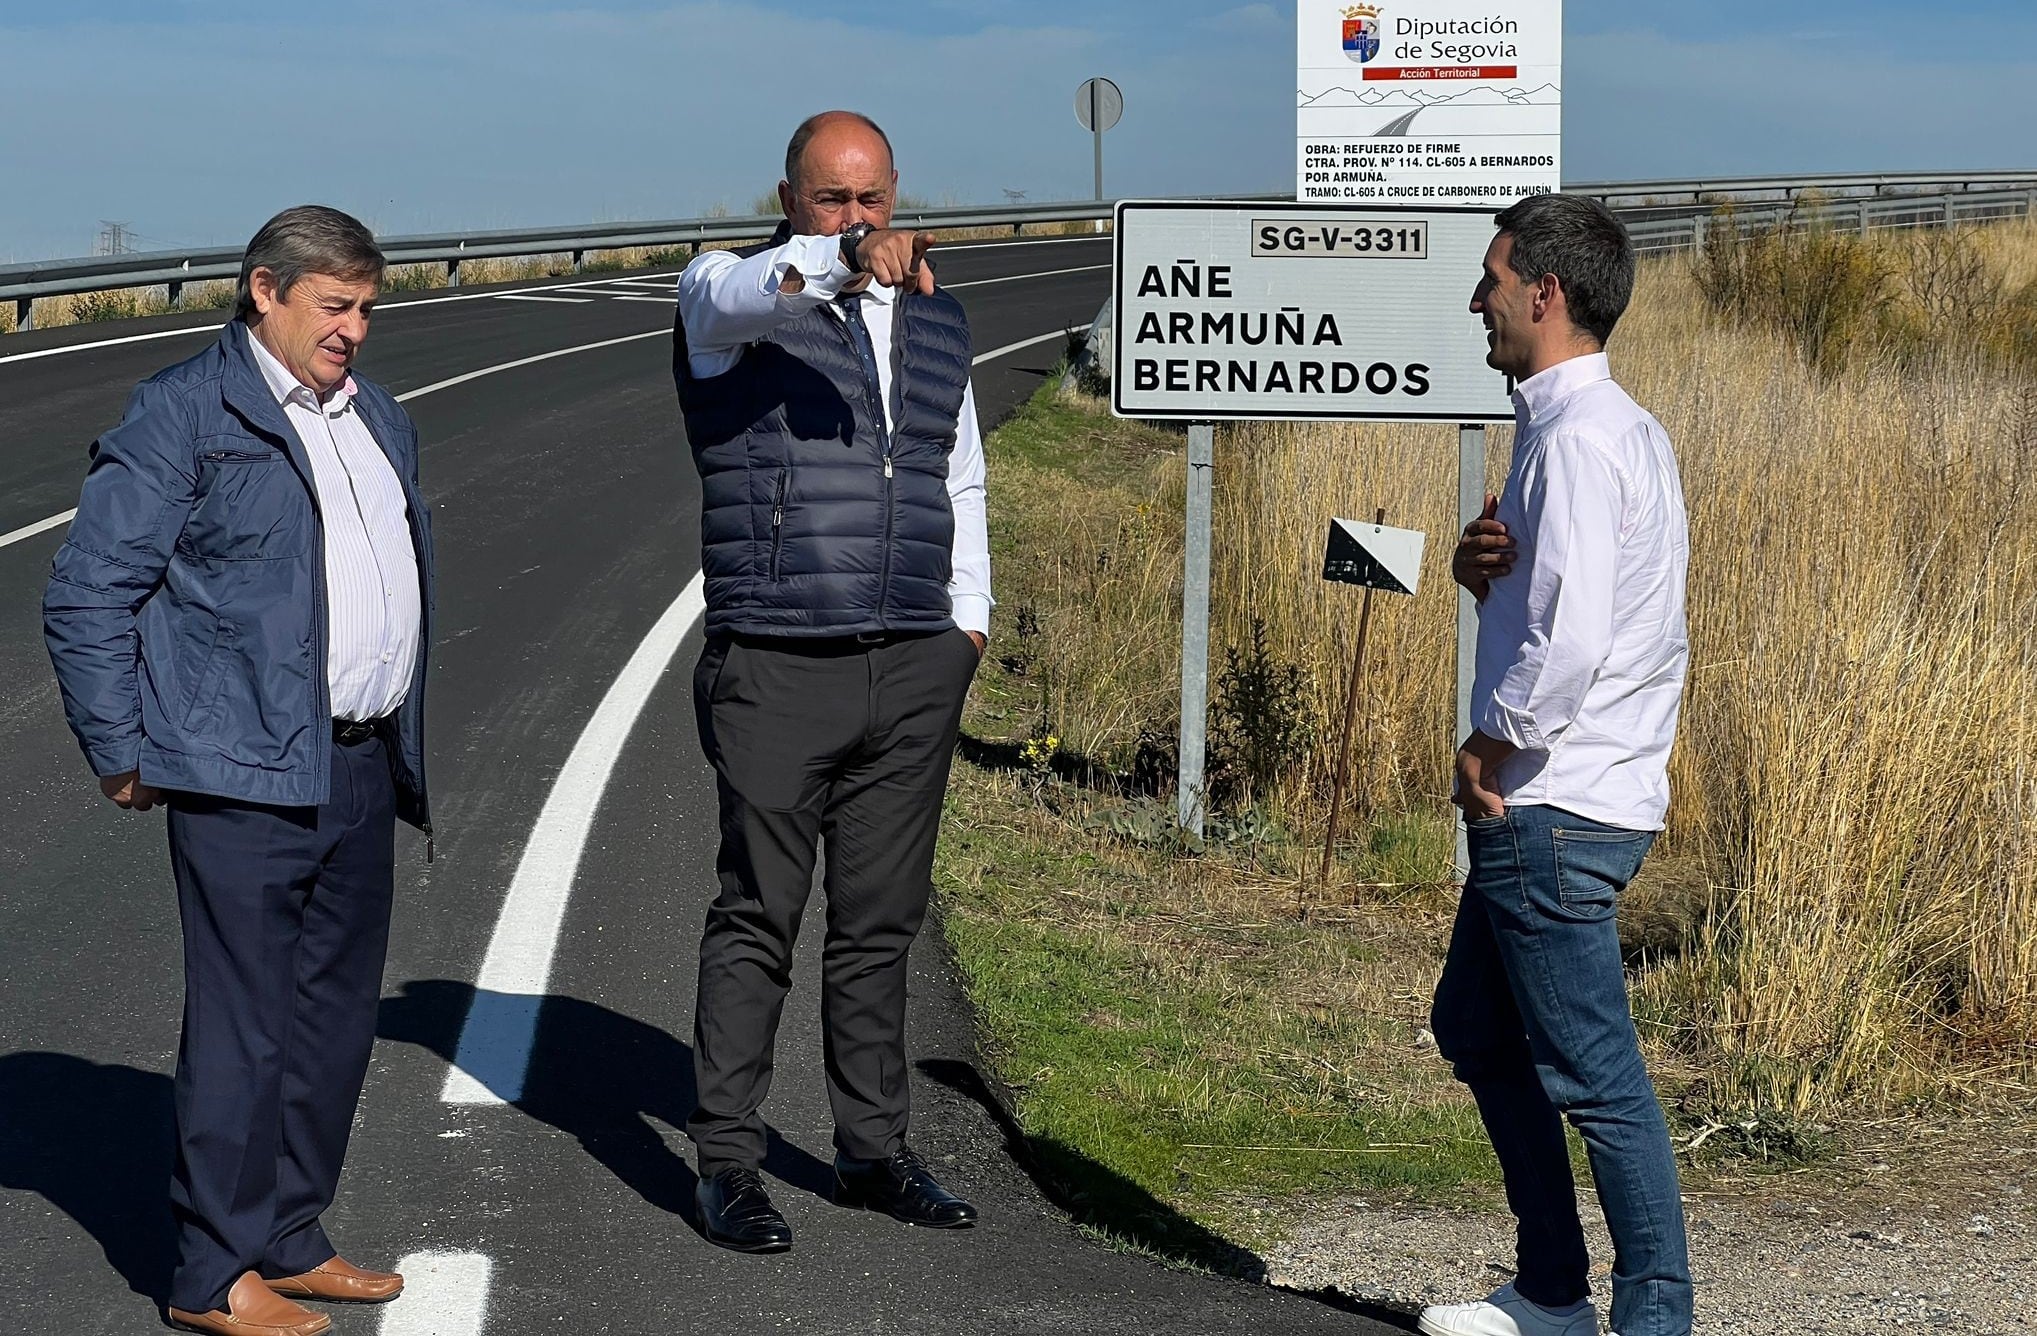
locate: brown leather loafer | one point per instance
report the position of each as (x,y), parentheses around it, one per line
(253,1309)
(341,1282)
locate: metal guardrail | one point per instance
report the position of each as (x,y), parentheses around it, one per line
(1865,215)
(23,283)
(1663,215)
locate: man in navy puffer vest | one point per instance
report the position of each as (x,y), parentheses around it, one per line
(824,380)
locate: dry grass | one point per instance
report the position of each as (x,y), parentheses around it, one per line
(1848,876)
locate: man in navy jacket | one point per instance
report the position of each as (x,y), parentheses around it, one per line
(238,621)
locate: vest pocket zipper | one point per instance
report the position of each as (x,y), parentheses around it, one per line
(778,525)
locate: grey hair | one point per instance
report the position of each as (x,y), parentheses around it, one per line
(1585,246)
(308,239)
(811,126)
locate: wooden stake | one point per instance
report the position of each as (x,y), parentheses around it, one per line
(1350,720)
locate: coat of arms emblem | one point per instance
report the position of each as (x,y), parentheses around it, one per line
(1361,32)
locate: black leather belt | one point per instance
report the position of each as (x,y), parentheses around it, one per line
(354,732)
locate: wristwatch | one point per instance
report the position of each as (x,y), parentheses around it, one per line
(852,238)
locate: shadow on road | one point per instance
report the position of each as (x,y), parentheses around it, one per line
(601,1077)
(96,1141)
(1120,1209)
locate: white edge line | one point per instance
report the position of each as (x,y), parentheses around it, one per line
(514,292)
(1028,343)
(448,383)
(444,1294)
(539,297)
(495,1042)
(642,297)
(500,1031)
(1013,278)
(40,526)
(31,530)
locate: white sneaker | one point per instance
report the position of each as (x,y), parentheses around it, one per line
(1504,1313)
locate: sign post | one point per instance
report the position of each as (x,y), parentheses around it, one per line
(1191,805)
(1098,105)
(1374,558)
(1470,505)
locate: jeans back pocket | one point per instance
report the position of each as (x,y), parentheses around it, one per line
(1594,866)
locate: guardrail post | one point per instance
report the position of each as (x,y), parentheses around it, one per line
(452,273)
(176,296)
(1860,212)
(579,259)
(24,315)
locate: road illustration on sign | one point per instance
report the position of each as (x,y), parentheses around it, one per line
(1483,110)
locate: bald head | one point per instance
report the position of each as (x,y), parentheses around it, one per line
(838,172)
(835,131)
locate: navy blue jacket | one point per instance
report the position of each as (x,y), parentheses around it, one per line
(186,611)
(817,519)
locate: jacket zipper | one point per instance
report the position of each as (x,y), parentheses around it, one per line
(873,394)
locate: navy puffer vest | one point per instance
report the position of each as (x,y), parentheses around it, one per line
(816,520)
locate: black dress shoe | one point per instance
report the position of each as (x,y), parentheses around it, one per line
(736,1213)
(902,1188)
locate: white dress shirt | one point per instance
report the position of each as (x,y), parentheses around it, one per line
(728,303)
(1582,649)
(373,599)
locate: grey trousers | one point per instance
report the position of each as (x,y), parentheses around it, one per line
(832,740)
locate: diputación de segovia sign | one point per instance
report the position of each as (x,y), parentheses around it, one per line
(1256,310)
(1426,102)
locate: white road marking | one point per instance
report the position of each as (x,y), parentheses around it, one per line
(444,1294)
(493,1058)
(1013,278)
(495,1041)
(635,297)
(31,530)
(517,292)
(448,383)
(539,297)
(1028,343)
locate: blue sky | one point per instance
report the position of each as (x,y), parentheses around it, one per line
(192,120)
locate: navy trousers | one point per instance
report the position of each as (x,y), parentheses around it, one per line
(286,922)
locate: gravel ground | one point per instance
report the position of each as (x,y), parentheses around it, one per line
(1837,1251)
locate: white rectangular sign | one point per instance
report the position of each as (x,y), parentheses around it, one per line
(1427,102)
(1244,310)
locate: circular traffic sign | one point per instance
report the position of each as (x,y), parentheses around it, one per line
(1105,98)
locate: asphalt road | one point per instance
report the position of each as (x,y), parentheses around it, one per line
(567,513)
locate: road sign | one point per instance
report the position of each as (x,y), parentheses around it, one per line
(1244,310)
(1098,105)
(1373,556)
(1429,102)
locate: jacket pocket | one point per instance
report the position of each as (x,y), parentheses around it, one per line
(250,504)
(778,522)
(205,686)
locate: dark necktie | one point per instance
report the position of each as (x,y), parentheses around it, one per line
(859,334)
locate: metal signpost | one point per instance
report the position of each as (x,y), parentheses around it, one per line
(1098,105)
(1371,557)
(1227,311)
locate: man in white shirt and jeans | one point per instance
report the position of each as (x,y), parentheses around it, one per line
(1579,573)
(824,379)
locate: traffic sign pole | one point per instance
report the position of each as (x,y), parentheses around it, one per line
(1470,505)
(1191,800)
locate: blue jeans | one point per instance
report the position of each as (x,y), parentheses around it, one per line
(1532,1014)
